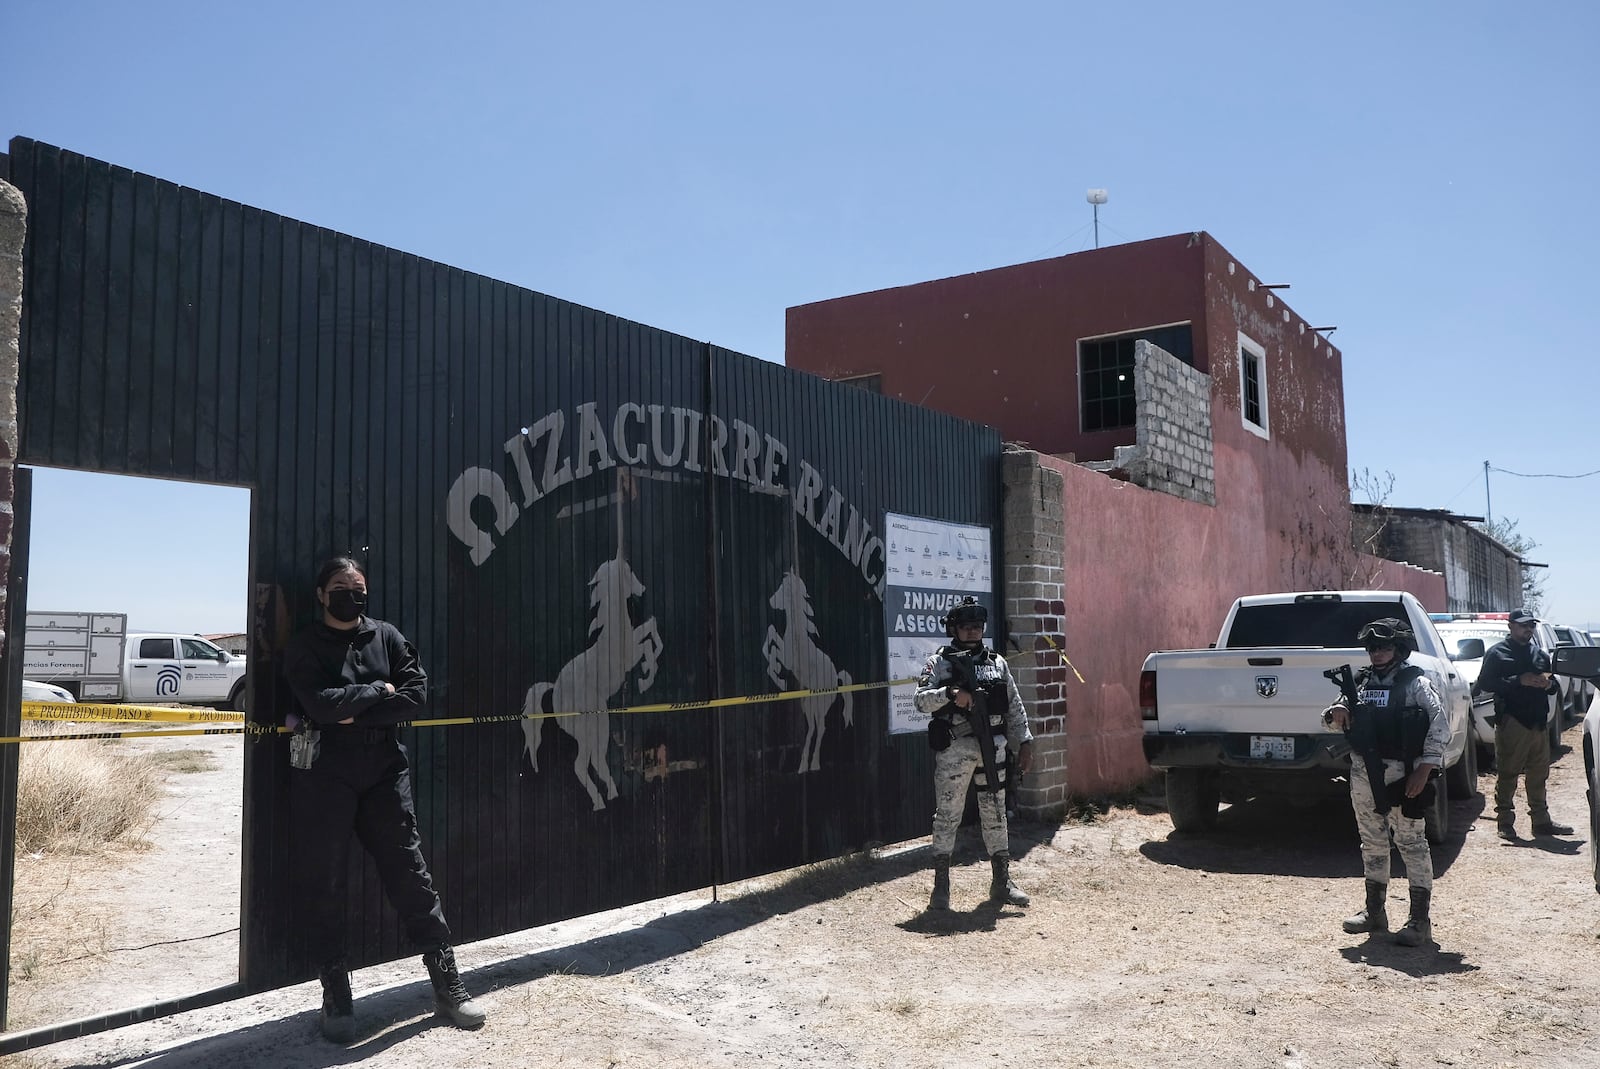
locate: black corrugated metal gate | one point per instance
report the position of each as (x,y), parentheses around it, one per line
(562,509)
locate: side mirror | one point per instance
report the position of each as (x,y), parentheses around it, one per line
(222,656)
(1582,662)
(1468,649)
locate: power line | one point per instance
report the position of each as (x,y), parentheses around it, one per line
(1541,475)
(1470,484)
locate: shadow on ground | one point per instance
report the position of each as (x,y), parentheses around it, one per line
(394,1015)
(1381,951)
(1266,837)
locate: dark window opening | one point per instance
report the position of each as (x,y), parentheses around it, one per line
(1105,376)
(870,383)
(1252,388)
(1178,340)
(1107,383)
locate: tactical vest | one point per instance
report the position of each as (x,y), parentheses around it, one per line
(1384,728)
(996,700)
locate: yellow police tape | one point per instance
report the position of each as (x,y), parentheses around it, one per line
(104,713)
(89,711)
(1063,657)
(85,712)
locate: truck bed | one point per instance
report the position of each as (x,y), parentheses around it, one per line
(1246,691)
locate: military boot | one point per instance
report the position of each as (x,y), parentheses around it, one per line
(338,1010)
(450,996)
(1419,926)
(1001,889)
(940,899)
(1375,918)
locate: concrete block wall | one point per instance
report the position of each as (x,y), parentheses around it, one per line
(1173,423)
(13,228)
(1035,608)
(1173,451)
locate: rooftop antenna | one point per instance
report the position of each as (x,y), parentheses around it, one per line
(1096,197)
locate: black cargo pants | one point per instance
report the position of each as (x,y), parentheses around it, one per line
(361,782)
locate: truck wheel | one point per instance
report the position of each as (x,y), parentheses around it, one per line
(1557,720)
(1192,798)
(1462,777)
(236,697)
(1594,834)
(1436,820)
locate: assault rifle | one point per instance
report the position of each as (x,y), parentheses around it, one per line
(1345,680)
(1359,731)
(966,678)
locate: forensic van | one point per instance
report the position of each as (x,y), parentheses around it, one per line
(94,658)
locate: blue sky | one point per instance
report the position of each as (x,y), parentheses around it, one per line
(1421,174)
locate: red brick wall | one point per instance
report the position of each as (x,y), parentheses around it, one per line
(1000,347)
(1161,575)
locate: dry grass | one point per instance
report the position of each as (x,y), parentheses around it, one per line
(182,760)
(79,796)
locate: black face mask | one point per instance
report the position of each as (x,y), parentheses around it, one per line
(346,605)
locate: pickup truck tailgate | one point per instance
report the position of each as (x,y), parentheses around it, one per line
(1278,691)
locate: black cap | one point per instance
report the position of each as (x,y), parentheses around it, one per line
(1523,616)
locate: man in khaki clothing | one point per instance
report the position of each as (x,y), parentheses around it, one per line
(1516,671)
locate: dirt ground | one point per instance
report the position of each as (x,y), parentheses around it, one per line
(1142,948)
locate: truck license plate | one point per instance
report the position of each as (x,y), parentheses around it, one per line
(1276,746)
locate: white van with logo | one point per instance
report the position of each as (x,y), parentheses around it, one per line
(165,667)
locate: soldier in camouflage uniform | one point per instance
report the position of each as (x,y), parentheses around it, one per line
(945,692)
(1400,729)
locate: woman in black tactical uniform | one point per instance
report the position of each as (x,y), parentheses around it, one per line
(355,678)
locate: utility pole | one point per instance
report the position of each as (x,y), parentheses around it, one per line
(1488,513)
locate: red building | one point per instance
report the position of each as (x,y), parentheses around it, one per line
(1206,463)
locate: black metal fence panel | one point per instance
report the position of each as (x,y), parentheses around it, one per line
(569,514)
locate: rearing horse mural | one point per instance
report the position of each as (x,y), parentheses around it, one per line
(593,677)
(794,652)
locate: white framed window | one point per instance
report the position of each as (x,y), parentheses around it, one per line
(1253,386)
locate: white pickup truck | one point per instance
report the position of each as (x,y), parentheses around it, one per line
(96,660)
(1244,718)
(163,667)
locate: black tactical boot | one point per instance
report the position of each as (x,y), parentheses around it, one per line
(1419,926)
(338,1011)
(1001,889)
(449,994)
(940,899)
(1375,918)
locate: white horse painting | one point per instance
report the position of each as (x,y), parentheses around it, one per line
(795,652)
(590,679)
